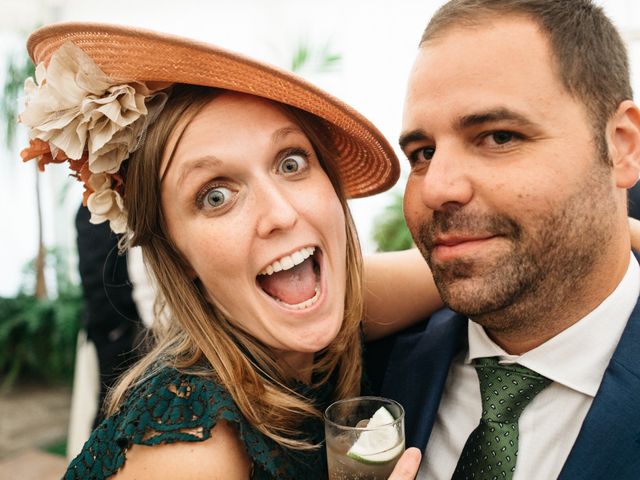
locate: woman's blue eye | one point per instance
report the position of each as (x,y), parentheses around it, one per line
(292,164)
(216,197)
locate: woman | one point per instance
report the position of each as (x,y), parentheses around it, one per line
(239,204)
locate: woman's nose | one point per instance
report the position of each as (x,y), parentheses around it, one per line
(277,212)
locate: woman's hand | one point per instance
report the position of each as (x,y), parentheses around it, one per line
(407,466)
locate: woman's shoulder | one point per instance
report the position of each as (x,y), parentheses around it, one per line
(161,418)
(221,456)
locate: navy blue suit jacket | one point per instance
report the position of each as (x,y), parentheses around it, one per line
(608,445)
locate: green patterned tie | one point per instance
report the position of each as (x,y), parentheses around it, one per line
(491,449)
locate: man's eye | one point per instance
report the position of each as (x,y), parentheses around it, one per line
(502,137)
(216,197)
(422,155)
(292,164)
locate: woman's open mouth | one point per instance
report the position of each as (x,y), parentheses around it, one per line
(294,281)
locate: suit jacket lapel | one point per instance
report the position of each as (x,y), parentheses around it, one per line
(418,369)
(608,445)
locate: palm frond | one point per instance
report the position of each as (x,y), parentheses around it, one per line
(17,70)
(315,59)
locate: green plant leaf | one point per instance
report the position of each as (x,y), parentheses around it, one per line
(38,337)
(314,59)
(18,69)
(390,231)
(300,57)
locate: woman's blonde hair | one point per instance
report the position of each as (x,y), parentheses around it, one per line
(245,367)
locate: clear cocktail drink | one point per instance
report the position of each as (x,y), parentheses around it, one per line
(365,438)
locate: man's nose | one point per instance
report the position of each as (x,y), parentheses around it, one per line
(447,181)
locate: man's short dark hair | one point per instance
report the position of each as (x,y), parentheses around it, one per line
(590,56)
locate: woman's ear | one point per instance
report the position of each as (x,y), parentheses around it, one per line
(624,144)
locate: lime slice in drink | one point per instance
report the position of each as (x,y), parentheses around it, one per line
(379,445)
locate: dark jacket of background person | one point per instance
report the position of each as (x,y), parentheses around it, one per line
(111,318)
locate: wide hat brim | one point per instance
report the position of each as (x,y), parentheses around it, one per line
(366,162)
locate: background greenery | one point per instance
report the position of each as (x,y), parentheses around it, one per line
(390,231)
(38,336)
(39,326)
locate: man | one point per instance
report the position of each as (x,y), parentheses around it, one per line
(522,139)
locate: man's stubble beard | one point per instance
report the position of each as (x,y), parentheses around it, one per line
(526,289)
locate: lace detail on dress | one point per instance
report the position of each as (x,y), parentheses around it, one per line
(174,407)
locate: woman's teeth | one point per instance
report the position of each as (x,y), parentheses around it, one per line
(289,261)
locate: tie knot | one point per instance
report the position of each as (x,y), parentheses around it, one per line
(506,389)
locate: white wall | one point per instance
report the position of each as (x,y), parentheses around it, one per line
(377,40)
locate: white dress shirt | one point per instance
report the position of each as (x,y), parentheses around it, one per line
(575,360)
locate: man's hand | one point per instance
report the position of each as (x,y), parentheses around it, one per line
(407,466)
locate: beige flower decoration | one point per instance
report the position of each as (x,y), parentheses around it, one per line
(83,115)
(106,204)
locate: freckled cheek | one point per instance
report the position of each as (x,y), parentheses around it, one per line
(321,202)
(219,259)
(335,216)
(211,257)
(224,280)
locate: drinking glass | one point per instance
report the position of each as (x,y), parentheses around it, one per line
(365,438)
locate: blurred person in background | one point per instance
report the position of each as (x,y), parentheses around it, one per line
(111,318)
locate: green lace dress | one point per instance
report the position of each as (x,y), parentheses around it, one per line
(172,406)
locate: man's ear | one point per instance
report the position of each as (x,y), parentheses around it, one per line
(624,144)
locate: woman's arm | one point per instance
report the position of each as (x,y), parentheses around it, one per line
(398,292)
(220,457)
(634,229)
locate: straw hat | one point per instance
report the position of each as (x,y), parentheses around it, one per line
(367,164)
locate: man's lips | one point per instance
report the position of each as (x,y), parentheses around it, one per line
(450,247)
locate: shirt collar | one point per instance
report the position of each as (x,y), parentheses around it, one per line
(578,356)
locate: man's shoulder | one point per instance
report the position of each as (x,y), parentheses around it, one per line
(443,322)
(442,328)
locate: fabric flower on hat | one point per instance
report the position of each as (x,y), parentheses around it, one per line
(82,115)
(105,203)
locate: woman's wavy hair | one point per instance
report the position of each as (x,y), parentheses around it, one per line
(196,337)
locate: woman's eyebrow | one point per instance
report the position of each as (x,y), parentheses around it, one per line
(281,133)
(195,164)
(207,161)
